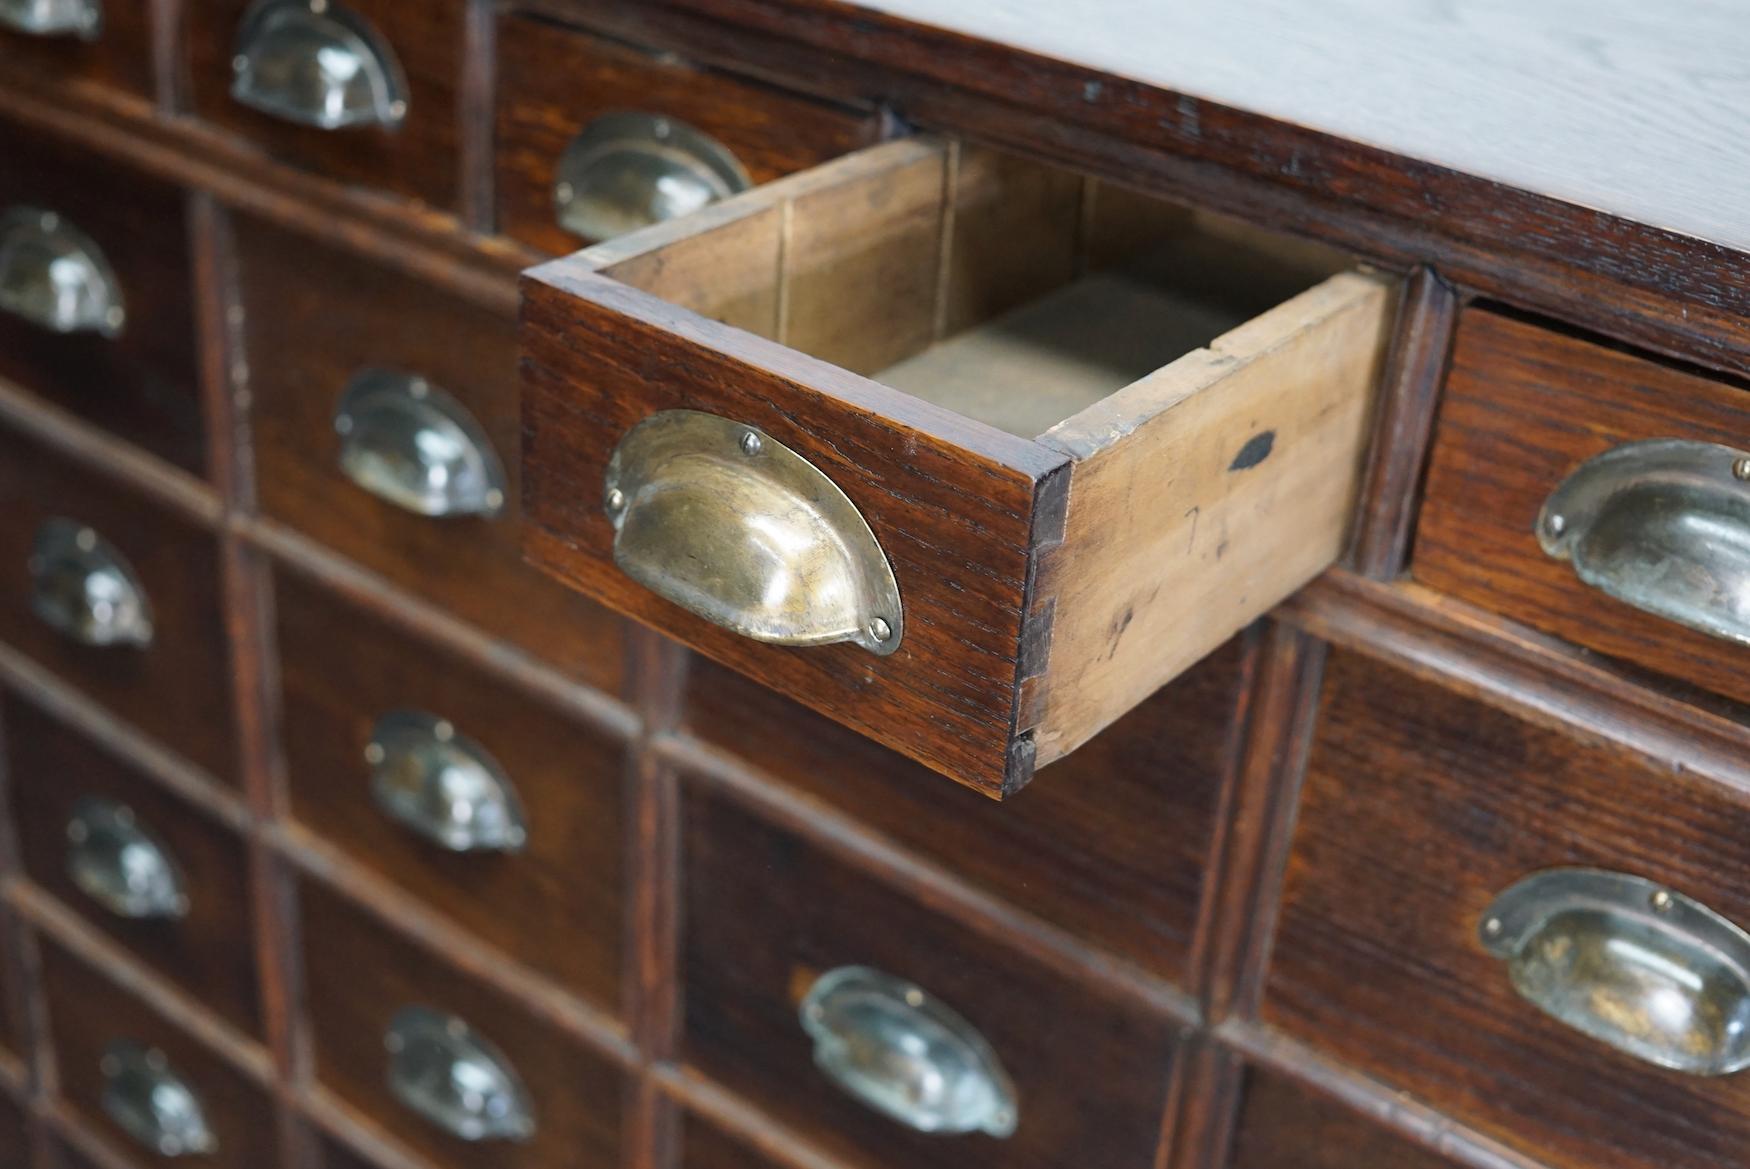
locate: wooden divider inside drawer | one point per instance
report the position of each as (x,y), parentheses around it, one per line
(1092,434)
(59,779)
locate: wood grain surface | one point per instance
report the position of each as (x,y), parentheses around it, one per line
(1524,407)
(1419,807)
(316,316)
(119,61)
(1283,1124)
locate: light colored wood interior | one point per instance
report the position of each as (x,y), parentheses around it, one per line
(1006,290)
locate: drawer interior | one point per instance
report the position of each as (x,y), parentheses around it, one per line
(1006,290)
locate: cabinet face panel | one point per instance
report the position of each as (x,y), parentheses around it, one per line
(556,904)
(210,950)
(1110,844)
(360,973)
(88,1012)
(177,688)
(14,1136)
(1286,1125)
(415,159)
(555,81)
(706,1146)
(118,60)
(1419,808)
(316,317)
(142,383)
(1524,407)
(767,914)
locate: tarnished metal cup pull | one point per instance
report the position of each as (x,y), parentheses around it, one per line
(314,63)
(442,785)
(732,525)
(1663,525)
(407,441)
(629,170)
(120,864)
(894,1048)
(143,1094)
(444,1072)
(1646,970)
(54,276)
(53,18)
(85,588)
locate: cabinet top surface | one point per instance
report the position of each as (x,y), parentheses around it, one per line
(1618,105)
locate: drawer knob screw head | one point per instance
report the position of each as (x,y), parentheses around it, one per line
(880,630)
(1556,524)
(1741,469)
(750,443)
(1661,901)
(616,499)
(1492,927)
(373,753)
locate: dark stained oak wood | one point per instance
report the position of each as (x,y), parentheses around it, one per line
(360,972)
(1524,407)
(555,906)
(706,1146)
(141,384)
(50,768)
(15,1151)
(951,503)
(1112,845)
(766,913)
(87,1011)
(175,689)
(315,316)
(119,61)
(417,159)
(1418,808)
(1285,1125)
(556,80)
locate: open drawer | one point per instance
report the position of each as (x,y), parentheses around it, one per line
(968,453)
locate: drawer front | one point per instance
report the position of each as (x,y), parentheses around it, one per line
(14,1134)
(13,1042)
(317,320)
(706,1146)
(552,896)
(361,977)
(770,919)
(114,54)
(398,53)
(1145,789)
(109,1044)
(124,237)
(915,478)
(1524,409)
(1420,808)
(1283,1123)
(554,82)
(87,822)
(174,686)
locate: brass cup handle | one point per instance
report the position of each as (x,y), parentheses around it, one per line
(313,63)
(121,864)
(85,588)
(733,526)
(445,1072)
(408,442)
(55,276)
(1663,525)
(53,18)
(1628,962)
(443,786)
(903,1053)
(155,1106)
(625,171)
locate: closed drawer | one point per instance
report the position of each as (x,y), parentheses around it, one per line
(980,598)
(14,1136)
(482,798)
(385,113)
(1146,789)
(117,595)
(323,326)
(13,1044)
(115,1057)
(543,1099)
(105,45)
(163,877)
(96,300)
(1283,1123)
(1627,561)
(675,137)
(1422,808)
(706,1146)
(793,961)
